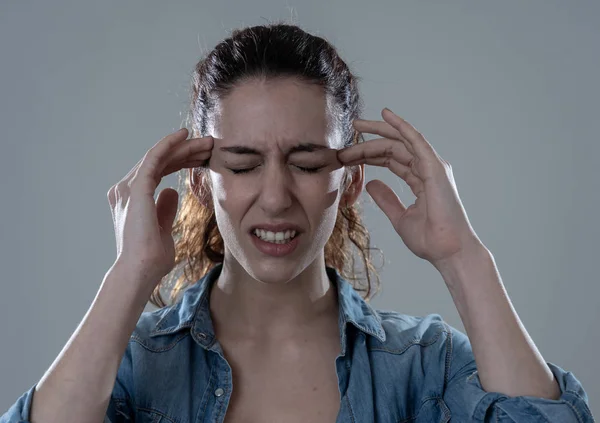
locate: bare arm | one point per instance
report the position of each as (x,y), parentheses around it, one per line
(78,384)
(507,359)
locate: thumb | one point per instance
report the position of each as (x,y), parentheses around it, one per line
(386,199)
(166,208)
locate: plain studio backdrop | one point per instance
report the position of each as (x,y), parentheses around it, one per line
(507,92)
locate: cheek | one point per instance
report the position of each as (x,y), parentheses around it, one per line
(221,190)
(231,193)
(334,182)
(321,193)
(335,179)
(321,190)
(218,186)
(224,208)
(325,181)
(316,186)
(223,186)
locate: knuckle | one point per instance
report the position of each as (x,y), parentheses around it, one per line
(152,149)
(389,151)
(123,186)
(111,200)
(130,184)
(148,162)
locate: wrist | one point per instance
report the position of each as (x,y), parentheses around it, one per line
(130,282)
(472,252)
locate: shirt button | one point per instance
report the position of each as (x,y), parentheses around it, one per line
(219,392)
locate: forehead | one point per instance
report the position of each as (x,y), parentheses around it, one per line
(271,114)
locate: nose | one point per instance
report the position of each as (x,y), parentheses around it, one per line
(275,190)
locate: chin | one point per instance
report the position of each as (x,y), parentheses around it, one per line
(274,272)
(271,270)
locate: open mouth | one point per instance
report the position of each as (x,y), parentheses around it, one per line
(288,236)
(275,248)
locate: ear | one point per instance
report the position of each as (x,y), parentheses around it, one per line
(196,180)
(353,185)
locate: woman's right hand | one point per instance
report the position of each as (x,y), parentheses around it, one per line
(143,228)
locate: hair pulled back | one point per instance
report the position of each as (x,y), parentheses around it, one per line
(277,50)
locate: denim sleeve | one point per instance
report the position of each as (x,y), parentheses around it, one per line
(119,407)
(469,402)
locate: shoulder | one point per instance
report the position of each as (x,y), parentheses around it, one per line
(162,329)
(158,326)
(428,340)
(149,320)
(399,327)
(430,331)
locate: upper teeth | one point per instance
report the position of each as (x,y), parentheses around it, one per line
(274,236)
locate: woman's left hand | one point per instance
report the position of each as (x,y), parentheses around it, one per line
(436,226)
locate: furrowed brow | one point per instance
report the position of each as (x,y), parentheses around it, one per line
(305,147)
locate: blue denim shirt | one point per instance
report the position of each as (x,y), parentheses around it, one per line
(393,368)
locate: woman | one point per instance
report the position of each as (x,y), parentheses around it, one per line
(268,328)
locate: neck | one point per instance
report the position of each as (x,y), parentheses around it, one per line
(279,305)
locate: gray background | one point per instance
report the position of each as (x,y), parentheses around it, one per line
(507,92)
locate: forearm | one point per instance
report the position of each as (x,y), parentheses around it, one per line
(78,385)
(507,359)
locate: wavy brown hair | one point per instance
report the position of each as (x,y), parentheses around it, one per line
(277,50)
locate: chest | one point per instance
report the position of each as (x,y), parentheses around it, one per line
(286,382)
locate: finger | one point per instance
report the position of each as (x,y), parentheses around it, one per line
(166,208)
(193,148)
(381,128)
(133,170)
(405,172)
(415,139)
(379,147)
(159,151)
(151,170)
(328,156)
(386,199)
(188,164)
(174,137)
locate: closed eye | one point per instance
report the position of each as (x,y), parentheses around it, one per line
(304,169)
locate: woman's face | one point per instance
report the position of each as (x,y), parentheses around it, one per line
(280,185)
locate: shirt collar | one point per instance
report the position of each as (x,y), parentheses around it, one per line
(193,312)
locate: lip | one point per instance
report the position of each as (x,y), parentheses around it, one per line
(277,227)
(275,250)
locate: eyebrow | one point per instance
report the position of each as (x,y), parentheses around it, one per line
(306,147)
